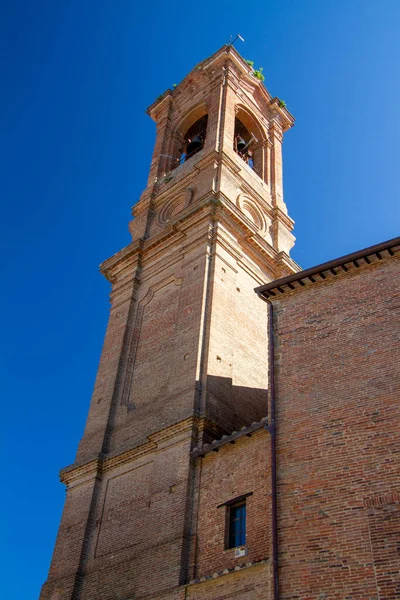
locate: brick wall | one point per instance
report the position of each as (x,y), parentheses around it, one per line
(237,469)
(135,542)
(338,415)
(237,372)
(159,382)
(384,529)
(248,583)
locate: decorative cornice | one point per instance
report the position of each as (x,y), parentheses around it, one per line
(283,218)
(99,465)
(157,104)
(107,268)
(287,265)
(286,119)
(230,439)
(127,255)
(204,159)
(218,207)
(330,269)
(73,473)
(253,241)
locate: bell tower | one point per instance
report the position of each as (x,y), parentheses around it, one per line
(184,359)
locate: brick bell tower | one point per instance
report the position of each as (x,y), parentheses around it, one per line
(184,359)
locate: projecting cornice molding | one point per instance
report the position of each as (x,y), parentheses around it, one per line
(78,474)
(127,256)
(331,269)
(286,119)
(230,439)
(119,268)
(249,82)
(230,571)
(111,267)
(283,218)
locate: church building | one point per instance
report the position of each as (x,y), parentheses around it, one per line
(243,438)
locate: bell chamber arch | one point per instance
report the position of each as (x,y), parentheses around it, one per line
(249,141)
(195,137)
(189,136)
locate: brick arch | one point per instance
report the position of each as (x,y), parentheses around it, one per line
(249,129)
(249,120)
(195,113)
(181,129)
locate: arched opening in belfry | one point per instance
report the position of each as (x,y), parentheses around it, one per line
(194,139)
(187,137)
(249,140)
(244,141)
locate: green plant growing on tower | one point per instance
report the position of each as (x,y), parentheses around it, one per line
(174,85)
(250,62)
(259,73)
(282,103)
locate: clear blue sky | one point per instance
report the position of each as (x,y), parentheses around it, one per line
(77,77)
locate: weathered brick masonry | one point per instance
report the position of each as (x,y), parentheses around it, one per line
(236,470)
(338,430)
(179,429)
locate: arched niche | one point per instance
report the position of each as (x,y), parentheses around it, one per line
(249,141)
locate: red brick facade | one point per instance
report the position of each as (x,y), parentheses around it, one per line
(338,431)
(180,424)
(233,472)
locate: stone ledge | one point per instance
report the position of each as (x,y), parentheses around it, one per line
(229,571)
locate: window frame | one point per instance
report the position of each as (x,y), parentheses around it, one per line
(236,536)
(229,505)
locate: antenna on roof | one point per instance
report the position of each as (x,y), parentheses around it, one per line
(238,37)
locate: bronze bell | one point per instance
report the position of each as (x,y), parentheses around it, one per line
(241,144)
(194,146)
